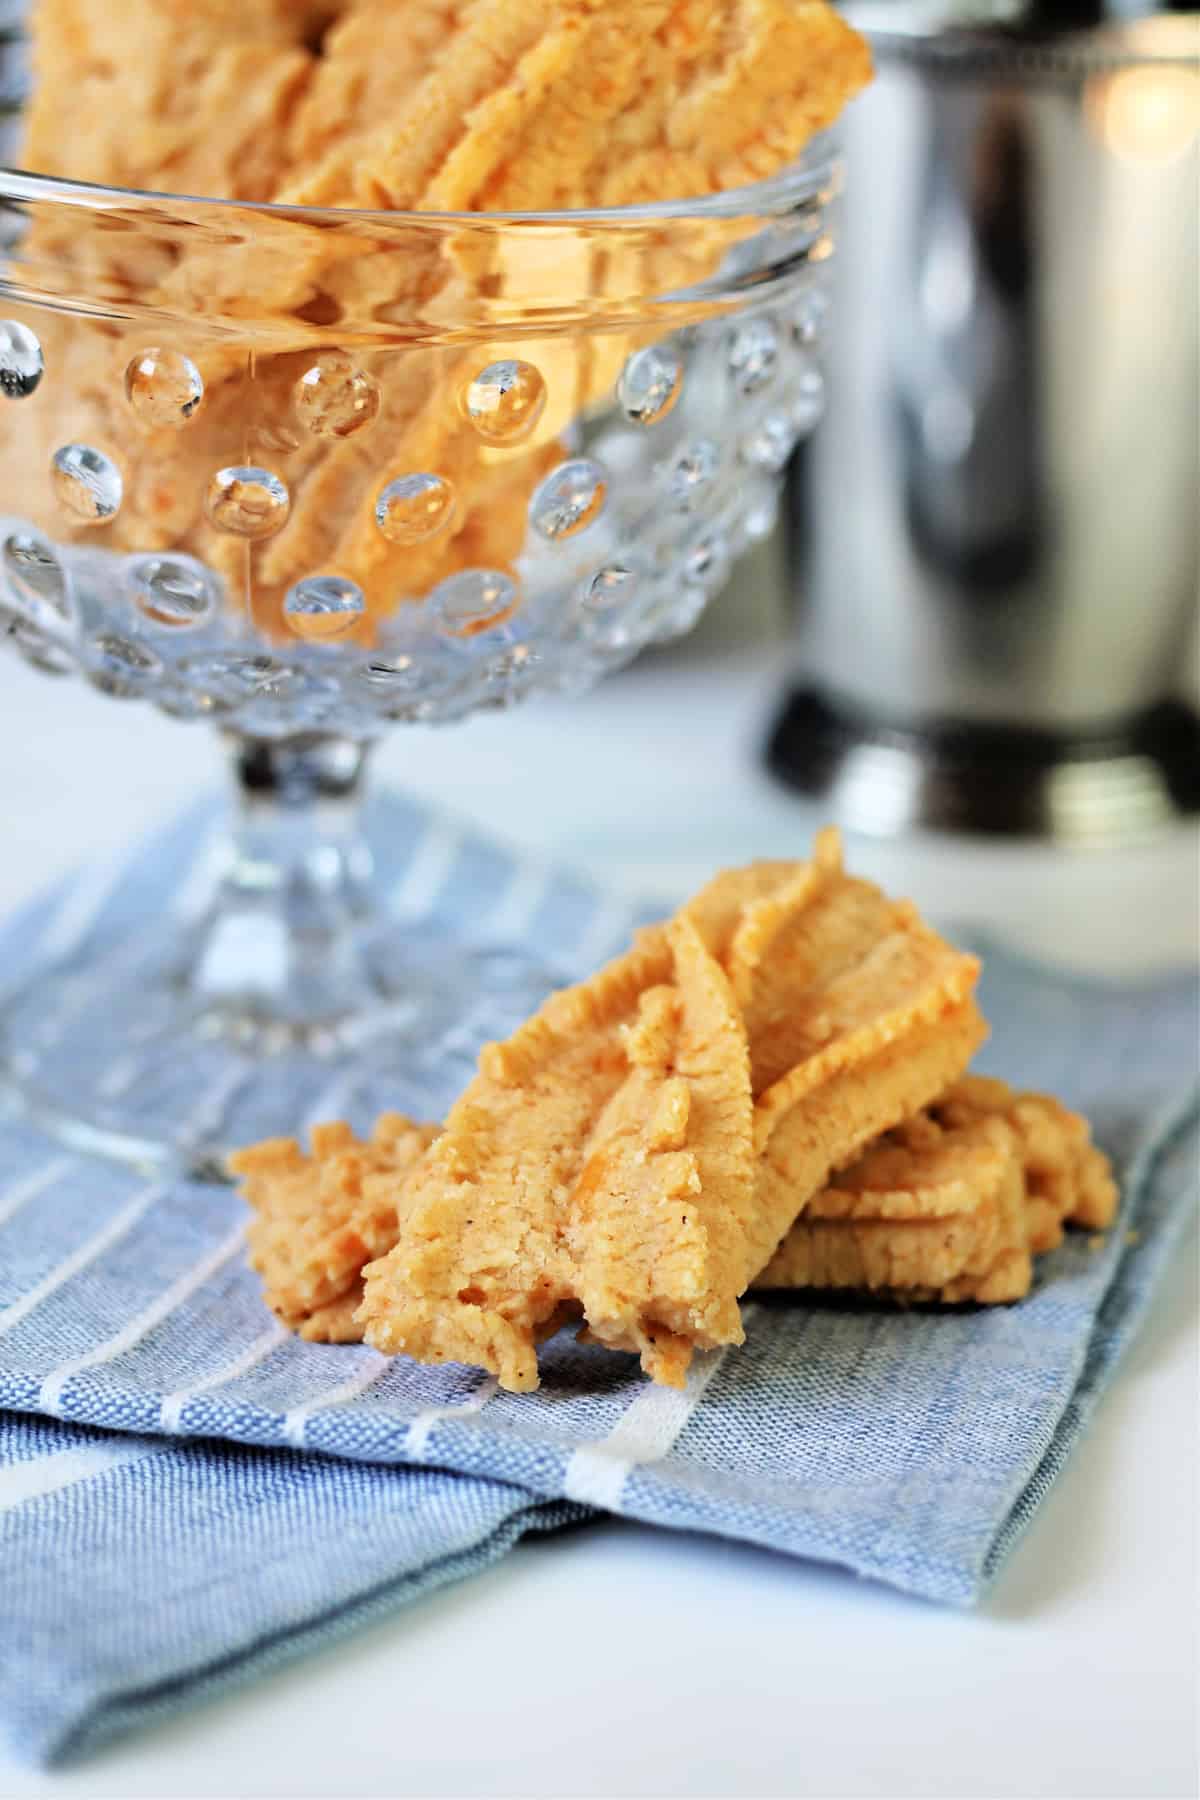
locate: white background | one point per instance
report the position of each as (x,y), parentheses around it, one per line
(619,1660)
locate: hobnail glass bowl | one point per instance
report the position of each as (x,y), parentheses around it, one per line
(306,476)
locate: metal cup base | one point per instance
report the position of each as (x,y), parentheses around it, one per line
(1097,789)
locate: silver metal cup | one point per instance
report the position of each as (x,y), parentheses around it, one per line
(1000,517)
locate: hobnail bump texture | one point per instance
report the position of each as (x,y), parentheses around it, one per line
(642,500)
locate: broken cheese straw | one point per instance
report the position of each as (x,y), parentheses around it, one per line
(485,1260)
(954,1205)
(167,473)
(191,100)
(604,1159)
(921,1210)
(592,103)
(372,55)
(151,94)
(857,1016)
(319,1218)
(950,1207)
(753,81)
(600,1161)
(1067,1178)
(528,86)
(661,1210)
(518,107)
(582,1170)
(537,139)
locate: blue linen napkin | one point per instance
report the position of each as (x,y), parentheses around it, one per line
(158,1419)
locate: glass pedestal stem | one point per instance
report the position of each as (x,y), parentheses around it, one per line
(277,957)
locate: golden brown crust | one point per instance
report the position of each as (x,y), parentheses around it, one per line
(1067,1178)
(611,1153)
(518,105)
(667,1190)
(924,1208)
(319,1217)
(945,1208)
(826,970)
(334,1323)
(495,1223)
(954,1205)
(610,1158)
(190,98)
(638,1085)
(791,1042)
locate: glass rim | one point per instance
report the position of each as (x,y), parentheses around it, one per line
(801,179)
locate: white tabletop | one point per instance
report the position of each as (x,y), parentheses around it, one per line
(617,1660)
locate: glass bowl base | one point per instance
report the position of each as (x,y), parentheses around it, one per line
(137,1051)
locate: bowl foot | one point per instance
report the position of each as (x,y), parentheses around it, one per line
(144,1050)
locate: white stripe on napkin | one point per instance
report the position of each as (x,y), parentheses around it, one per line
(47,1474)
(170,1413)
(295,1423)
(596,1473)
(418,1434)
(79,991)
(477,1026)
(195,893)
(117,1226)
(50,1393)
(121,1076)
(128,1070)
(21,1192)
(330,1103)
(610,930)
(425,876)
(81,907)
(207,1119)
(84,902)
(520,903)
